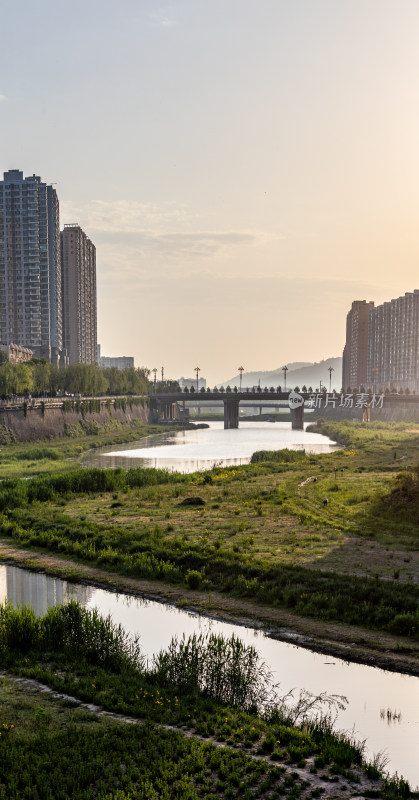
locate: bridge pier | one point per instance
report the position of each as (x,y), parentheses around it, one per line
(231,413)
(162,410)
(297,418)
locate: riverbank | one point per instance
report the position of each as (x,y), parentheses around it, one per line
(350,643)
(85,714)
(309,541)
(46,456)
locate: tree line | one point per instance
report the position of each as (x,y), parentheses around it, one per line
(39,378)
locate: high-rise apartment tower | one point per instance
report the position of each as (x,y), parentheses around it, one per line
(393,344)
(30,266)
(78,256)
(355,354)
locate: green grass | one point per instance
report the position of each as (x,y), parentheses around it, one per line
(59,455)
(262,531)
(52,749)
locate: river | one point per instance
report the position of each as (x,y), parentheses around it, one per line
(188,451)
(383,707)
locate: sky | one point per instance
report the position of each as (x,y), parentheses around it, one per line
(245,168)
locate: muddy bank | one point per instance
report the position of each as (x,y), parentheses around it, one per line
(396,654)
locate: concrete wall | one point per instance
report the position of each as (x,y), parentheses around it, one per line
(391,412)
(53,422)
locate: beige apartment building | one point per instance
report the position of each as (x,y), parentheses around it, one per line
(78,258)
(16,353)
(355,354)
(393,344)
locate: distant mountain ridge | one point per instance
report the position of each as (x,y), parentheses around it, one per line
(300,373)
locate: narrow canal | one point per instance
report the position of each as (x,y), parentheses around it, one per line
(383,707)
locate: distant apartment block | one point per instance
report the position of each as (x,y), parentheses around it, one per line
(16,353)
(191,382)
(120,362)
(30,266)
(78,256)
(355,353)
(393,344)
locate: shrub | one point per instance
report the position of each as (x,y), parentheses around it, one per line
(283,456)
(226,670)
(19,628)
(404,624)
(71,629)
(193,579)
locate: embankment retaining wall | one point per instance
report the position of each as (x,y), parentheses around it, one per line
(391,412)
(26,424)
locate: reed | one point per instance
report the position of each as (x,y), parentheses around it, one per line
(75,631)
(225,670)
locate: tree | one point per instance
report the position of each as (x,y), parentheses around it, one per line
(16,378)
(42,372)
(169,387)
(87,379)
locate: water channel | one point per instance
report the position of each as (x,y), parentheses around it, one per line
(383,707)
(371,692)
(188,451)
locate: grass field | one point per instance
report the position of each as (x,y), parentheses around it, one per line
(168,736)
(60,455)
(261,531)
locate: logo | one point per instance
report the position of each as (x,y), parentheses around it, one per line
(295,400)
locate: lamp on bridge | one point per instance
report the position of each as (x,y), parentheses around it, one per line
(285,370)
(155,373)
(241,370)
(197,370)
(331,369)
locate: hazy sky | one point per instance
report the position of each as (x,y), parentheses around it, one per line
(246,168)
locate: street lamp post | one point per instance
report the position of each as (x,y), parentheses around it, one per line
(331,369)
(197,370)
(241,370)
(155,373)
(285,370)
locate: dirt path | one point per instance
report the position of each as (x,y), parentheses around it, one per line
(351,643)
(329,789)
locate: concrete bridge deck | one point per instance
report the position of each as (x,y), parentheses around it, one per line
(360,405)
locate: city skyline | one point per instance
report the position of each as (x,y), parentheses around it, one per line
(47,277)
(246,172)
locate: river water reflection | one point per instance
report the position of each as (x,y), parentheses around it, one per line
(371,692)
(188,451)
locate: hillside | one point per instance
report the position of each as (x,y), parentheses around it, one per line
(299,373)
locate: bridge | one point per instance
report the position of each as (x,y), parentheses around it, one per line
(163,406)
(362,405)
